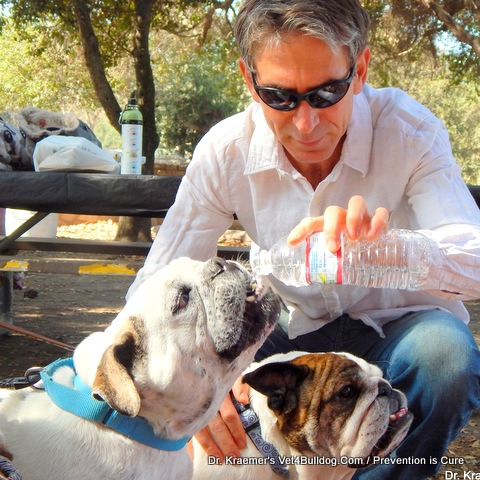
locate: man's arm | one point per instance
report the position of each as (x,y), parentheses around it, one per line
(224,436)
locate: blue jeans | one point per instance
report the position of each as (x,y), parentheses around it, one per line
(431,356)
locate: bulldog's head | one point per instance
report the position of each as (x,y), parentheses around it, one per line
(179,344)
(13,153)
(333,405)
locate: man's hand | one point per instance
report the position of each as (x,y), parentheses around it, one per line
(224,435)
(356,221)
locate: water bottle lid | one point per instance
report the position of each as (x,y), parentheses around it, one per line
(131,114)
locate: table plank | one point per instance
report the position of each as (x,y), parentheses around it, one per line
(88,193)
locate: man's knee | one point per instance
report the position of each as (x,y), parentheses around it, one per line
(438,350)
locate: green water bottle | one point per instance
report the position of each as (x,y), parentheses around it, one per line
(131,120)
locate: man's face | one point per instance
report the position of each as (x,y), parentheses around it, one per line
(310,136)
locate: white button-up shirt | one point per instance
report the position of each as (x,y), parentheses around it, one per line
(396,155)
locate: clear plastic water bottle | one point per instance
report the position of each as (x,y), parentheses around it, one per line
(399,259)
(131,120)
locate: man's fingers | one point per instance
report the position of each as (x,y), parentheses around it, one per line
(305,228)
(231,420)
(208,444)
(358,218)
(379,222)
(334,223)
(240,391)
(224,435)
(356,221)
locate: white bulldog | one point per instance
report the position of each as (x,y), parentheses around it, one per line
(166,363)
(326,414)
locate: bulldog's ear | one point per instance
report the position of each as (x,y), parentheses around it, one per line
(113,380)
(279,382)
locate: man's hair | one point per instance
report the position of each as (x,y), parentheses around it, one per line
(262,24)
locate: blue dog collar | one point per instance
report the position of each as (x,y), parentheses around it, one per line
(80,402)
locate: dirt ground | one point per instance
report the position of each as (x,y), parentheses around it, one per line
(69,307)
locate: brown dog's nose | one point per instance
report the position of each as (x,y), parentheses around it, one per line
(384,388)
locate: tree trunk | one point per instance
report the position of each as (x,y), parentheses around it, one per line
(145,80)
(134,229)
(129,228)
(139,228)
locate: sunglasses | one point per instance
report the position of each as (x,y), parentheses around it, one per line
(323,96)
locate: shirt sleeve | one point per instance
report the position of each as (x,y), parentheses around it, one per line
(447,214)
(455,262)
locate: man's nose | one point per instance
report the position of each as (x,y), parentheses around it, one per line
(305,118)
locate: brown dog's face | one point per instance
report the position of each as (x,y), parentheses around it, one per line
(333,405)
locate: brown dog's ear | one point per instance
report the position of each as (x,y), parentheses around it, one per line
(279,382)
(113,381)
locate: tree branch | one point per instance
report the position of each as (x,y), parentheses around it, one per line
(94,62)
(459,33)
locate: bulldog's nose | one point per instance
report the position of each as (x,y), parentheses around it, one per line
(216,266)
(384,388)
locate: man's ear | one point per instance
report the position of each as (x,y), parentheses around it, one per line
(247,76)
(279,382)
(363,61)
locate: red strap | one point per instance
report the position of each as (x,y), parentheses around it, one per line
(307,261)
(339,267)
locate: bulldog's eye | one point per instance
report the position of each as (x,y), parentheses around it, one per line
(348,392)
(7,136)
(182,300)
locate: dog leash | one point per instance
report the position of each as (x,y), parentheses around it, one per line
(35,336)
(31,377)
(80,402)
(251,425)
(7,470)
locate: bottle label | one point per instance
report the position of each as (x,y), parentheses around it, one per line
(132,140)
(322,266)
(131,162)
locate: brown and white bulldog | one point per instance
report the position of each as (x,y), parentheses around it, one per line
(160,371)
(325,413)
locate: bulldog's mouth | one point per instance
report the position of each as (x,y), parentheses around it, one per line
(262,309)
(396,431)
(256,292)
(258,310)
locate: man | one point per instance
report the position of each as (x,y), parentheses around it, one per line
(319,149)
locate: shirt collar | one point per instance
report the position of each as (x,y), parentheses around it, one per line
(266,152)
(357,149)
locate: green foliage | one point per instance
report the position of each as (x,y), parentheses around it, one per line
(196,89)
(108,136)
(51,78)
